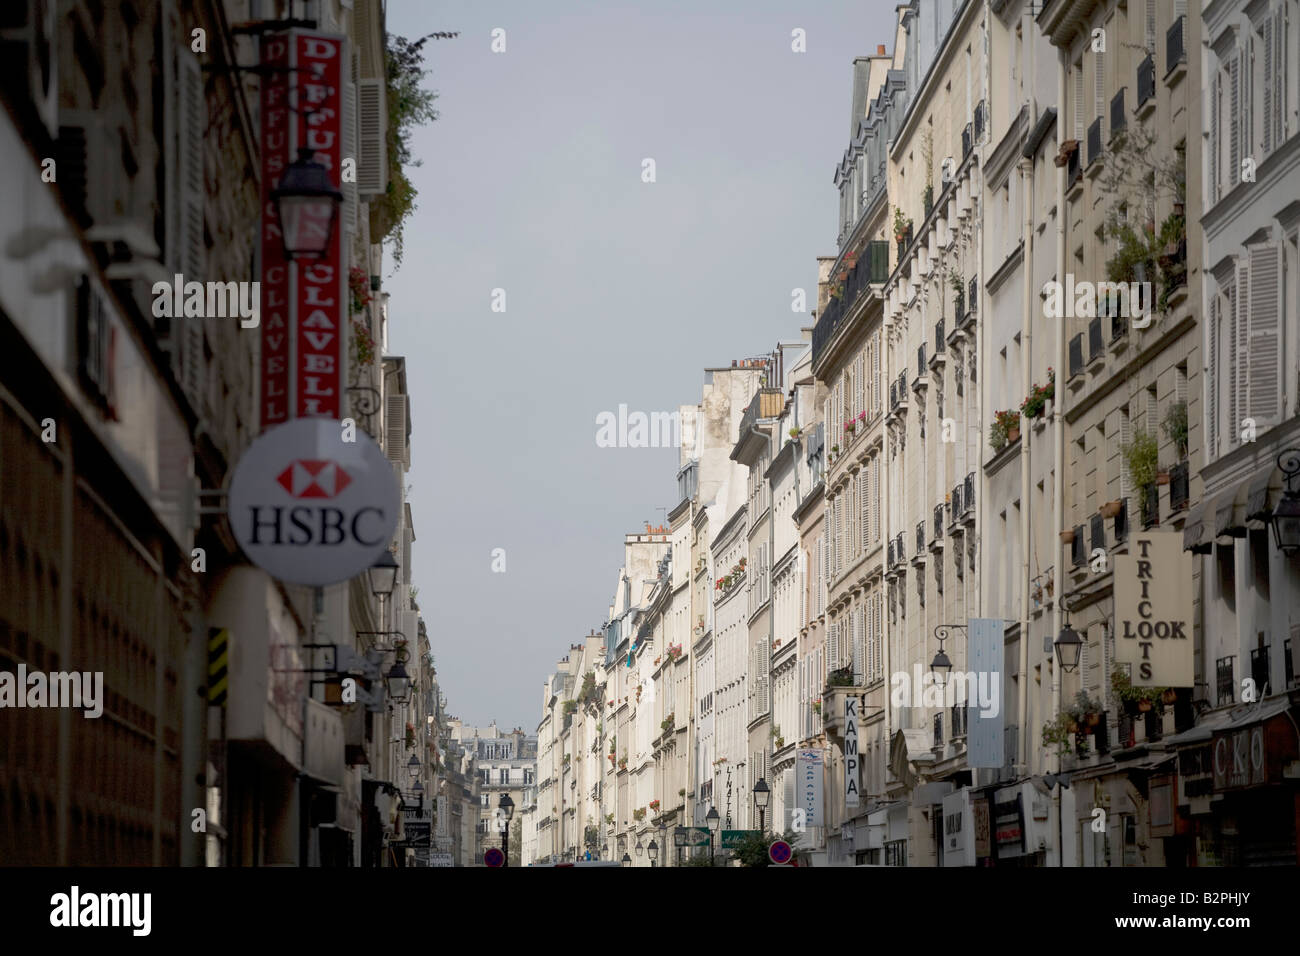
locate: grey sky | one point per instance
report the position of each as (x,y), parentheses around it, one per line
(618,291)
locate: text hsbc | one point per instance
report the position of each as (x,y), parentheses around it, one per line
(313,525)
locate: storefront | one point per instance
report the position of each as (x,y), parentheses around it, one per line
(1234,793)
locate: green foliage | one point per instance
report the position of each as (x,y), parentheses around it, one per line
(1122,687)
(1175,426)
(901,224)
(1000,430)
(1142,458)
(409,106)
(840,678)
(752,850)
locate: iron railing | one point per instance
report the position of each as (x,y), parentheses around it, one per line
(1095,347)
(1259,671)
(1118,328)
(1074,168)
(871,269)
(972,297)
(1121,521)
(1118,118)
(938,522)
(1146,79)
(968,492)
(1225,688)
(1076,355)
(965,141)
(920,537)
(1150,506)
(1097,533)
(1175,51)
(1077,549)
(978,130)
(938,337)
(1094,141)
(1179,486)
(920,359)
(938,730)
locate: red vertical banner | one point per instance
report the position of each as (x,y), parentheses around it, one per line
(276,324)
(320,285)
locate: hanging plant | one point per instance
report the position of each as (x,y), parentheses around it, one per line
(1175,426)
(363,343)
(359,289)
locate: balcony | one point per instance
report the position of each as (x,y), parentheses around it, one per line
(972,295)
(938,731)
(767,403)
(1076,357)
(1118,330)
(1096,350)
(1175,51)
(920,360)
(871,269)
(1121,522)
(1224,685)
(936,542)
(1118,118)
(939,341)
(920,538)
(889,555)
(902,392)
(978,122)
(1077,550)
(900,551)
(1146,86)
(1094,147)
(1179,486)
(968,498)
(1073,170)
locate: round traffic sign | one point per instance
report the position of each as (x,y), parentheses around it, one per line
(779,852)
(310,508)
(494,857)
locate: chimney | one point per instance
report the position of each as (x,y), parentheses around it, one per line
(880,49)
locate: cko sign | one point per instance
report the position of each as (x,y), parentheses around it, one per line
(310,508)
(1153,610)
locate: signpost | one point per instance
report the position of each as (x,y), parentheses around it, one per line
(779,852)
(494,857)
(310,508)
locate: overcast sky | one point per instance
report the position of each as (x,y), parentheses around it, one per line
(617,291)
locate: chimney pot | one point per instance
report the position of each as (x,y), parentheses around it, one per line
(880,49)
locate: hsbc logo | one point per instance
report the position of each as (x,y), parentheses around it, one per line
(314,479)
(311,509)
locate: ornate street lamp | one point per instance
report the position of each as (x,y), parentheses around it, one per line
(399,683)
(1068,648)
(1285,518)
(383,575)
(713,821)
(762,794)
(639,848)
(307,203)
(413,767)
(507,808)
(627,860)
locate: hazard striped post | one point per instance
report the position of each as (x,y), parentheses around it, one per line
(218,645)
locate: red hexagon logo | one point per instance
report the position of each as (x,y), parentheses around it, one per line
(313,479)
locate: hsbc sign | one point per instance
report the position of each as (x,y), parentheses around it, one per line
(310,508)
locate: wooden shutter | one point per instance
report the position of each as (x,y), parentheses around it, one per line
(864,509)
(1216,136)
(1238,400)
(349,146)
(862,383)
(1078,101)
(1281,54)
(1212,375)
(1247,70)
(395,428)
(372,158)
(1234,118)
(1099,65)
(1266,127)
(859,646)
(765,675)
(1265,333)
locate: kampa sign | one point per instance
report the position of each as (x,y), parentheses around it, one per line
(310,508)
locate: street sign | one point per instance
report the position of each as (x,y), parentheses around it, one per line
(494,857)
(779,852)
(310,508)
(440,860)
(695,836)
(733,838)
(416,832)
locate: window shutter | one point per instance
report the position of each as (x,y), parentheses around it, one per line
(1240,343)
(1267,124)
(1100,67)
(859,664)
(1078,101)
(864,508)
(833,645)
(395,428)
(1234,118)
(372,159)
(349,145)
(1212,375)
(1216,136)
(1281,53)
(1265,333)
(862,383)
(851,524)
(765,674)
(875,375)
(1247,54)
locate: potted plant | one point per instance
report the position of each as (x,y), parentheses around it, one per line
(835,449)
(817,706)
(1039,395)
(1175,426)
(654,805)
(681,792)
(1162,476)
(1141,458)
(1110,509)
(794,434)
(1005,429)
(1067,536)
(901,225)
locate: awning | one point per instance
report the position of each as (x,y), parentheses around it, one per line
(1230,512)
(1195,537)
(1262,494)
(1232,718)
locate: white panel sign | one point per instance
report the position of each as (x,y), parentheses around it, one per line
(809,768)
(851,759)
(1153,610)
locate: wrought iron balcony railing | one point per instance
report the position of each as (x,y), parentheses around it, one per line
(1146,80)
(1175,50)
(1179,486)
(1118,118)
(1076,355)
(1094,141)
